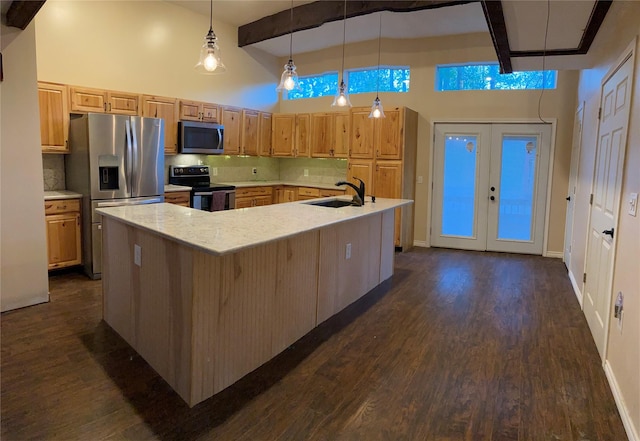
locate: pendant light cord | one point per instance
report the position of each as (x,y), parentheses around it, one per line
(211,16)
(544,53)
(291,33)
(344,33)
(379,39)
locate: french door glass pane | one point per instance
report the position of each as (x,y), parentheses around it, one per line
(459,186)
(517,187)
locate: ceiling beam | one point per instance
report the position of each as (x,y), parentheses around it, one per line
(498,30)
(21,12)
(315,14)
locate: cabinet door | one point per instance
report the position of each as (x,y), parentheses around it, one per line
(389,136)
(232,121)
(244,202)
(322,134)
(250,123)
(54,117)
(363,169)
(63,240)
(263,200)
(88,100)
(388,184)
(178,197)
(303,135)
(190,110)
(167,109)
(283,134)
(123,103)
(341,135)
(362,133)
(264,140)
(210,112)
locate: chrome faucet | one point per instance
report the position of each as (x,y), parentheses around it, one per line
(358,198)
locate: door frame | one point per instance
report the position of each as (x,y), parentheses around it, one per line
(574,171)
(552,121)
(627,55)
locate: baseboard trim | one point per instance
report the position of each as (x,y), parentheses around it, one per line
(632,433)
(576,289)
(420,243)
(554,254)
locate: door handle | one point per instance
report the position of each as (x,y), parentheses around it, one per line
(568,198)
(609,232)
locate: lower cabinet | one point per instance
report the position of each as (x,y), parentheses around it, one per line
(62,218)
(284,194)
(178,198)
(253,196)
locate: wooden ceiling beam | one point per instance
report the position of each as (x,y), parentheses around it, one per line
(21,12)
(315,14)
(498,29)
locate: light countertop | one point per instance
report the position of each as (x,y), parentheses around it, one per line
(168,188)
(61,194)
(292,184)
(223,232)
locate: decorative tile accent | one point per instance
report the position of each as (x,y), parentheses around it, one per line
(53,172)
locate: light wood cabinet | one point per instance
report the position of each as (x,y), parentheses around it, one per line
(62,219)
(264,138)
(199,111)
(388,184)
(329,135)
(232,121)
(103,101)
(181,198)
(362,169)
(283,134)
(362,134)
(167,109)
(250,132)
(54,117)
(303,135)
(341,126)
(283,194)
(305,193)
(390,134)
(253,196)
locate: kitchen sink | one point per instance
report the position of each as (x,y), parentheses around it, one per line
(333,203)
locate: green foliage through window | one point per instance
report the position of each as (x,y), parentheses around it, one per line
(392,79)
(488,77)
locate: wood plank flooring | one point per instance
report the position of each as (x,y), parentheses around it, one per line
(457,346)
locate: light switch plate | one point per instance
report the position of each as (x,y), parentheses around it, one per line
(137,255)
(306,172)
(633,204)
(419,179)
(348,252)
(214,171)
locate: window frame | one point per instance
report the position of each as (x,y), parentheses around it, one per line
(438,82)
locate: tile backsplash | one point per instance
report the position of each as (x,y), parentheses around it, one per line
(53,172)
(318,171)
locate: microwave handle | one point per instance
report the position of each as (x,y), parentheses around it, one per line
(220,140)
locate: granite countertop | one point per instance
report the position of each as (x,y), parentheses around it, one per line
(274,183)
(61,194)
(223,232)
(168,188)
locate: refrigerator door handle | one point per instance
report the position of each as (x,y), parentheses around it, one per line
(136,159)
(128,158)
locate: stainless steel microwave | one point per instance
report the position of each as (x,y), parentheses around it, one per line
(201,138)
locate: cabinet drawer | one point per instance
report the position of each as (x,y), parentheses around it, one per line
(253,191)
(178,198)
(309,192)
(61,206)
(324,192)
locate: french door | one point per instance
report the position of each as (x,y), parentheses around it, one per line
(490,186)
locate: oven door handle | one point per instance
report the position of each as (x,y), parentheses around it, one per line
(203,193)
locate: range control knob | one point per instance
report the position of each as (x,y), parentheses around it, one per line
(203,170)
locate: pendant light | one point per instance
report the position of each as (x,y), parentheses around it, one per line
(289,79)
(376,108)
(342,96)
(210,62)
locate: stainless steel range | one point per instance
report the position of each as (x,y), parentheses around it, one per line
(205,195)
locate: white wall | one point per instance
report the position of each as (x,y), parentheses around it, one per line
(23,254)
(148,47)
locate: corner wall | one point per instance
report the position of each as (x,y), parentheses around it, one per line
(23,255)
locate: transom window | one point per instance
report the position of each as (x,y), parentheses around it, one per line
(364,80)
(488,77)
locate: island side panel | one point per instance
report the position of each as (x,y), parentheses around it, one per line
(296,289)
(245,313)
(387,244)
(342,281)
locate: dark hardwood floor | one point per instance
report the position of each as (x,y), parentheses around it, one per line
(457,346)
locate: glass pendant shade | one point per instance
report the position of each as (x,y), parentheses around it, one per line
(342,97)
(376,109)
(210,61)
(289,79)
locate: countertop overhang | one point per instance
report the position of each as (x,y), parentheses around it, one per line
(224,232)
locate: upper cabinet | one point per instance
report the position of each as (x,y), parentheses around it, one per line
(303,134)
(329,135)
(381,138)
(264,137)
(232,122)
(250,132)
(167,109)
(362,133)
(341,135)
(54,117)
(103,101)
(283,134)
(199,111)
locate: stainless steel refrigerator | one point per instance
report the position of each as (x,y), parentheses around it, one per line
(115,160)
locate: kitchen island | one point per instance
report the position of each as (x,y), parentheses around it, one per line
(205,298)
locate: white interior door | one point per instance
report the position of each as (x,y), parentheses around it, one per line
(573,184)
(607,183)
(489,188)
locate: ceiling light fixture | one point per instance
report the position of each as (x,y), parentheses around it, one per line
(289,79)
(342,96)
(210,62)
(376,108)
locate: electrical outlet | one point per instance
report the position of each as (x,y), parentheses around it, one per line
(214,171)
(254,170)
(348,252)
(306,172)
(618,310)
(633,204)
(137,255)
(419,179)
